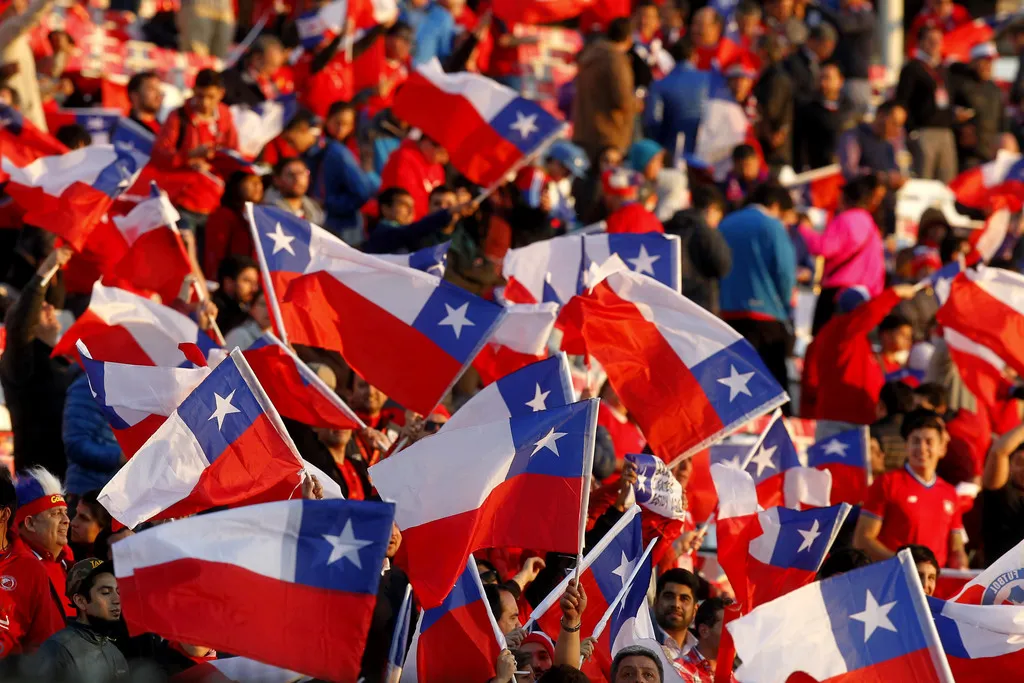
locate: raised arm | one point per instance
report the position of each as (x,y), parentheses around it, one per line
(997,464)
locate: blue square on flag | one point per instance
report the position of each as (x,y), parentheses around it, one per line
(525,124)
(343,548)
(735,381)
(551,442)
(220,410)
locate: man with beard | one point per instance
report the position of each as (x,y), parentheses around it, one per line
(290,185)
(674,608)
(85,650)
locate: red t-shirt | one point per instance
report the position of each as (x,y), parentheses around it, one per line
(334,82)
(914,512)
(27,601)
(394,74)
(626,436)
(633,218)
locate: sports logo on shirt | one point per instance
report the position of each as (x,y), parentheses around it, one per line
(8,583)
(1006,589)
(947,505)
(911,499)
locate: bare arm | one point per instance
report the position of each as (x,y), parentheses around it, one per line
(997,465)
(865,537)
(567,648)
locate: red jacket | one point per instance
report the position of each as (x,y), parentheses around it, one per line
(633,218)
(334,82)
(28,604)
(227,233)
(171,150)
(958,17)
(408,169)
(275,150)
(842,378)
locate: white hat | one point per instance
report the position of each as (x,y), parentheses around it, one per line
(984,51)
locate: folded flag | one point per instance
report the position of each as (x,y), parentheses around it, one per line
(407,332)
(99,122)
(553,269)
(708,379)
(486,127)
(22,142)
(982,643)
(330,18)
(320,558)
(236,670)
(986,305)
(463,623)
(979,186)
(871,624)
(433,260)
(539,386)
(657,489)
(521,482)
(259,125)
(1002,583)
(847,457)
(69,194)
(224,445)
(127,328)
(520,339)
(987,241)
(399,638)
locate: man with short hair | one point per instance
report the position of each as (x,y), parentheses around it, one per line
(502,604)
(675,104)
(675,604)
(804,65)
(85,650)
(911,504)
(397,233)
(41,522)
(251,81)
(299,135)
(290,183)
(981,136)
(701,662)
(637,664)
(928,569)
(146,97)
(1002,524)
(394,69)
(192,134)
(706,257)
(417,166)
(239,278)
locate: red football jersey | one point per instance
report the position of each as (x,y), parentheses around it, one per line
(914,512)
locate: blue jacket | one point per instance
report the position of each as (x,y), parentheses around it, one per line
(675,105)
(435,32)
(93,454)
(342,187)
(763,271)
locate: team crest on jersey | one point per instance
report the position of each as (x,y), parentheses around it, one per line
(1006,589)
(8,583)
(948,506)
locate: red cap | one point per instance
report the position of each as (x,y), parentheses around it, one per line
(621,182)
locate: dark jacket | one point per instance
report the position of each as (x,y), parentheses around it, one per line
(240,88)
(856,28)
(230,314)
(803,68)
(817,130)
(81,654)
(93,454)
(915,92)
(390,593)
(706,257)
(34,385)
(774,93)
(978,139)
(391,238)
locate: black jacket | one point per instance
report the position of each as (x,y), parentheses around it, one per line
(706,257)
(915,92)
(240,88)
(856,44)
(390,593)
(801,69)
(80,654)
(989,121)
(774,93)
(817,130)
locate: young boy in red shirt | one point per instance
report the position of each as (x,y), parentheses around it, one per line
(912,505)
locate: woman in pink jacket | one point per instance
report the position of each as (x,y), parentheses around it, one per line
(852,247)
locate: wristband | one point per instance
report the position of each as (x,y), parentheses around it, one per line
(571,630)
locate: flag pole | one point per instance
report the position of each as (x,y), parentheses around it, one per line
(268,283)
(200,295)
(514,168)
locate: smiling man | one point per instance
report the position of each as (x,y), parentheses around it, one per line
(674,608)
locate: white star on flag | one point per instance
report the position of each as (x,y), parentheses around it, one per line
(763,459)
(809,536)
(539,400)
(644,262)
(347,545)
(836,447)
(875,616)
(223,409)
(456,318)
(549,441)
(737,383)
(624,569)
(525,125)
(282,242)
(641,481)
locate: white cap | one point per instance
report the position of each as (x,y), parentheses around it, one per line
(984,51)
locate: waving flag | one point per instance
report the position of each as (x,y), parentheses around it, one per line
(259,125)
(657,488)
(127,328)
(987,241)
(847,457)
(981,370)
(224,445)
(708,379)
(539,386)
(463,623)
(521,482)
(780,475)
(22,142)
(957,44)
(1002,583)
(723,126)
(321,558)
(399,637)
(407,332)
(69,194)
(99,122)
(871,624)
(520,339)
(978,187)
(818,191)
(236,670)
(433,260)
(487,128)
(331,17)
(553,269)
(982,643)
(987,306)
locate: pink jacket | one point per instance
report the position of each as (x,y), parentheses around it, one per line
(854,254)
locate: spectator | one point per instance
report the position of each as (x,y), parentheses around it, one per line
(34,384)
(396,233)
(417,167)
(91,519)
(93,454)
(637,663)
(85,650)
(746,176)
(146,97)
(621,191)
(394,71)
(42,523)
(1003,495)
(924,93)
(842,560)
(647,54)
(821,121)
(701,662)
(386,612)
(73,136)
(871,148)
(856,23)
(675,605)
(298,137)
(435,30)
(756,294)
(780,20)
(747,28)
(545,188)
(206,27)
(775,103)
(238,277)
(912,505)
(712,50)
(290,183)
(502,604)
(980,135)
(605,103)
(227,229)
(675,103)
(257,324)
(541,651)
(928,569)
(16,21)
(251,81)
(706,258)
(647,158)
(804,65)
(613,416)
(943,15)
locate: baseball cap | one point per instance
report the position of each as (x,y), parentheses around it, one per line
(571,156)
(83,570)
(621,182)
(984,51)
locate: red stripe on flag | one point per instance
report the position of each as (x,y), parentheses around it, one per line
(112,343)
(979,316)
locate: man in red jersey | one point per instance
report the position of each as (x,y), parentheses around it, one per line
(417,167)
(621,189)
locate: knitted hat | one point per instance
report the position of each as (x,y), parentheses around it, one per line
(37,490)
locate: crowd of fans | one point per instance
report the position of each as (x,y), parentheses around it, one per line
(799,70)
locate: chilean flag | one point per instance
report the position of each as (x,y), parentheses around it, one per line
(539,386)
(259,125)
(408,332)
(847,457)
(986,305)
(520,339)
(224,445)
(987,241)
(210,580)
(685,375)
(979,367)
(554,269)
(22,142)
(236,670)
(127,328)
(657,490)
(982,643)
(487,128)
(462,624)
(978,187)
(871,624)
(522,482)
(69,194)
(723,126)
(1001,584)
(99,122)
(538,11)
(433,260)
